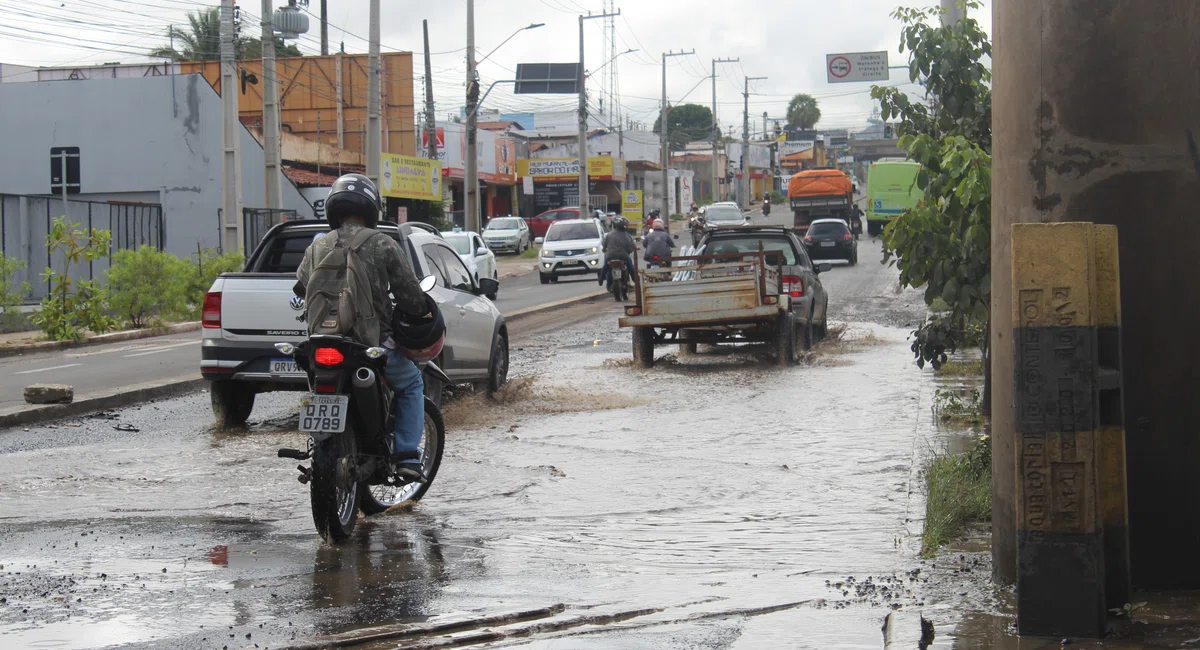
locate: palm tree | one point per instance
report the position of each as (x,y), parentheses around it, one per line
(803,112)
(202,41)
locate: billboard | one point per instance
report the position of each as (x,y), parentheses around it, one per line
(631,204)
(603,168)
(408,177)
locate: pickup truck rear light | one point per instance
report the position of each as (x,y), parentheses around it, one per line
(328,357)
(770,300)
(633,311)
(210,315)
(793,286)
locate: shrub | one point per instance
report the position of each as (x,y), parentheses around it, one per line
(11,293)
(147,285)
(71,307)
(201,272)
(777,197)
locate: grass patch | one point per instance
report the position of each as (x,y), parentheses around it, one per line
(958,406)
(529,254)
(961,368)
(958,493)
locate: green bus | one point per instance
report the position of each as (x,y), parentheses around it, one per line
(891,189)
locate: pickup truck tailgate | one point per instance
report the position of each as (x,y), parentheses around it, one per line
(701,295)
(254,307)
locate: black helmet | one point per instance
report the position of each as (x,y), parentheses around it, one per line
(620,223)
(419,339)
(353,195)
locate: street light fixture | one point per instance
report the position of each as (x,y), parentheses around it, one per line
(514,34)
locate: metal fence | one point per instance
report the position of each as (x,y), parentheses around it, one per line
(25,221)
(257,221)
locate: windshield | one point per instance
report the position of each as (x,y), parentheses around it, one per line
(828,229)
(723,213)
(730,245)
(504,224)
(569,231)
(462,245)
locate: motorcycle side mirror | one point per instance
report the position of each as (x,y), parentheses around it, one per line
(428,283)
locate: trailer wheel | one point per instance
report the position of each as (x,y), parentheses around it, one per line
(785,339)
(643,346)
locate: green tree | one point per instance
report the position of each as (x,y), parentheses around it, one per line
(72,306)
(201,41)
(803,111)
(944,243)
(147,285)
(686,123)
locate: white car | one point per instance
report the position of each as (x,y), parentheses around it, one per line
(480,260)
(571,247)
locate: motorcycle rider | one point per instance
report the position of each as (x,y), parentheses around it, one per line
(649,221)
(658,243)
(618,245)
(353,205)
(766,206)
(856,215)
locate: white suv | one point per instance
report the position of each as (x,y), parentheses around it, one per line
(571,247)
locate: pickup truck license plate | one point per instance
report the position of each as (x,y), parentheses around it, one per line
(324,413)
(828,243)
(285,367)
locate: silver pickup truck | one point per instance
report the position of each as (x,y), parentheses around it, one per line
(245,314)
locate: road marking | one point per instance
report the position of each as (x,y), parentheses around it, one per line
(26,372)
(525,289)
(159,349)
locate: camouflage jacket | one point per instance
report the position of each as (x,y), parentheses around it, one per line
(391,270)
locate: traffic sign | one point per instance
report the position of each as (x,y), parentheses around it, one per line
(857,66)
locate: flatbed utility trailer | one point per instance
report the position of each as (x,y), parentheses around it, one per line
(712,299)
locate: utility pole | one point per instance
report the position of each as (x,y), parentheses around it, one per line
(662,137)
(374,135)
(471,164)
(273,197)
(231,162)
(716,135)
(324,28)
(744,186)
(341,122)
(430,120)
(584,199)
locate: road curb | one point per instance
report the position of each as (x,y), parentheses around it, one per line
(99,339)
(551,306)
(99,402)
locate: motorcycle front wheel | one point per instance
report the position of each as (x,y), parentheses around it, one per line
(334,490)
(378,498)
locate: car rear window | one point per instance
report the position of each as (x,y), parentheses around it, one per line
(284,252)
(750,244)
(569,231)
(828,229)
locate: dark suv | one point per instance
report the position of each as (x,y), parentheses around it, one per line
(830,239)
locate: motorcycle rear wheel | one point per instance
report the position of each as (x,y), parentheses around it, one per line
(333,491)
(378,498)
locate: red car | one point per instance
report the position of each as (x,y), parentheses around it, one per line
(541,223)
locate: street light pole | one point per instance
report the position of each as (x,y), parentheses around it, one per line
(273,190)
(584,199)
(744,186)
(716,134)
(662,137)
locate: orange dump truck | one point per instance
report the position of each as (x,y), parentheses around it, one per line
(820,194)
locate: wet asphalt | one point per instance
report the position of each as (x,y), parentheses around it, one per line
(714,501)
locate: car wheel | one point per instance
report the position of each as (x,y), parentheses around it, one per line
(853,258)
(823,330)
(806,335)
(232,402)
(498,366)
(785,339)
(643,346)
(545,279)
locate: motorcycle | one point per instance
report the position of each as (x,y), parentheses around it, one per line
(618,280)
(350,419)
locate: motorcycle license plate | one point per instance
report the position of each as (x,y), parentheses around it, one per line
(285,367)
(324,413)
(618,273)
(829,244)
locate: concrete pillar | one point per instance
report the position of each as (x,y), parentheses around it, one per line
(1095,119)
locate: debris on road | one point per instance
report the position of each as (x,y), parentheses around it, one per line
(49,394)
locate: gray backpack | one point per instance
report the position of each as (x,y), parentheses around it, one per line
(338,297)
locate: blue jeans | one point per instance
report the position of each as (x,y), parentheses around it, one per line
(404,377)
(604,272)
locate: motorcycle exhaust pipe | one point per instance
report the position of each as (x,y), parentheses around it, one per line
(364,378)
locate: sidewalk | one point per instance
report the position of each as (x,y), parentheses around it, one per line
(24,342)
(511,266)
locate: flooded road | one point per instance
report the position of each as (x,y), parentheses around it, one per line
(713,501)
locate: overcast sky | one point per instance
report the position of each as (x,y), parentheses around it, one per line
(783,40)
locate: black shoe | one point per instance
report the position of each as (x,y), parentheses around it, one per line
(410,472)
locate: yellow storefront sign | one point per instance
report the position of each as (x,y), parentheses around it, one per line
(565,169)
(631,204)
(407,177)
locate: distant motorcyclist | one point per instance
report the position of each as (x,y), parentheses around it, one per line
(648,223)
(766,206)
(856,215)
(618,245)
(658,243)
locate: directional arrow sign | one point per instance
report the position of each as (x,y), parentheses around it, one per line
(857,66)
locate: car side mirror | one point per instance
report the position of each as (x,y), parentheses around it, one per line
(481,252)
(428,283)
(822,268)
(539,241)
(487,286)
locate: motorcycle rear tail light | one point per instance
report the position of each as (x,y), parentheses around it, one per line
(325,388)
(328,357)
